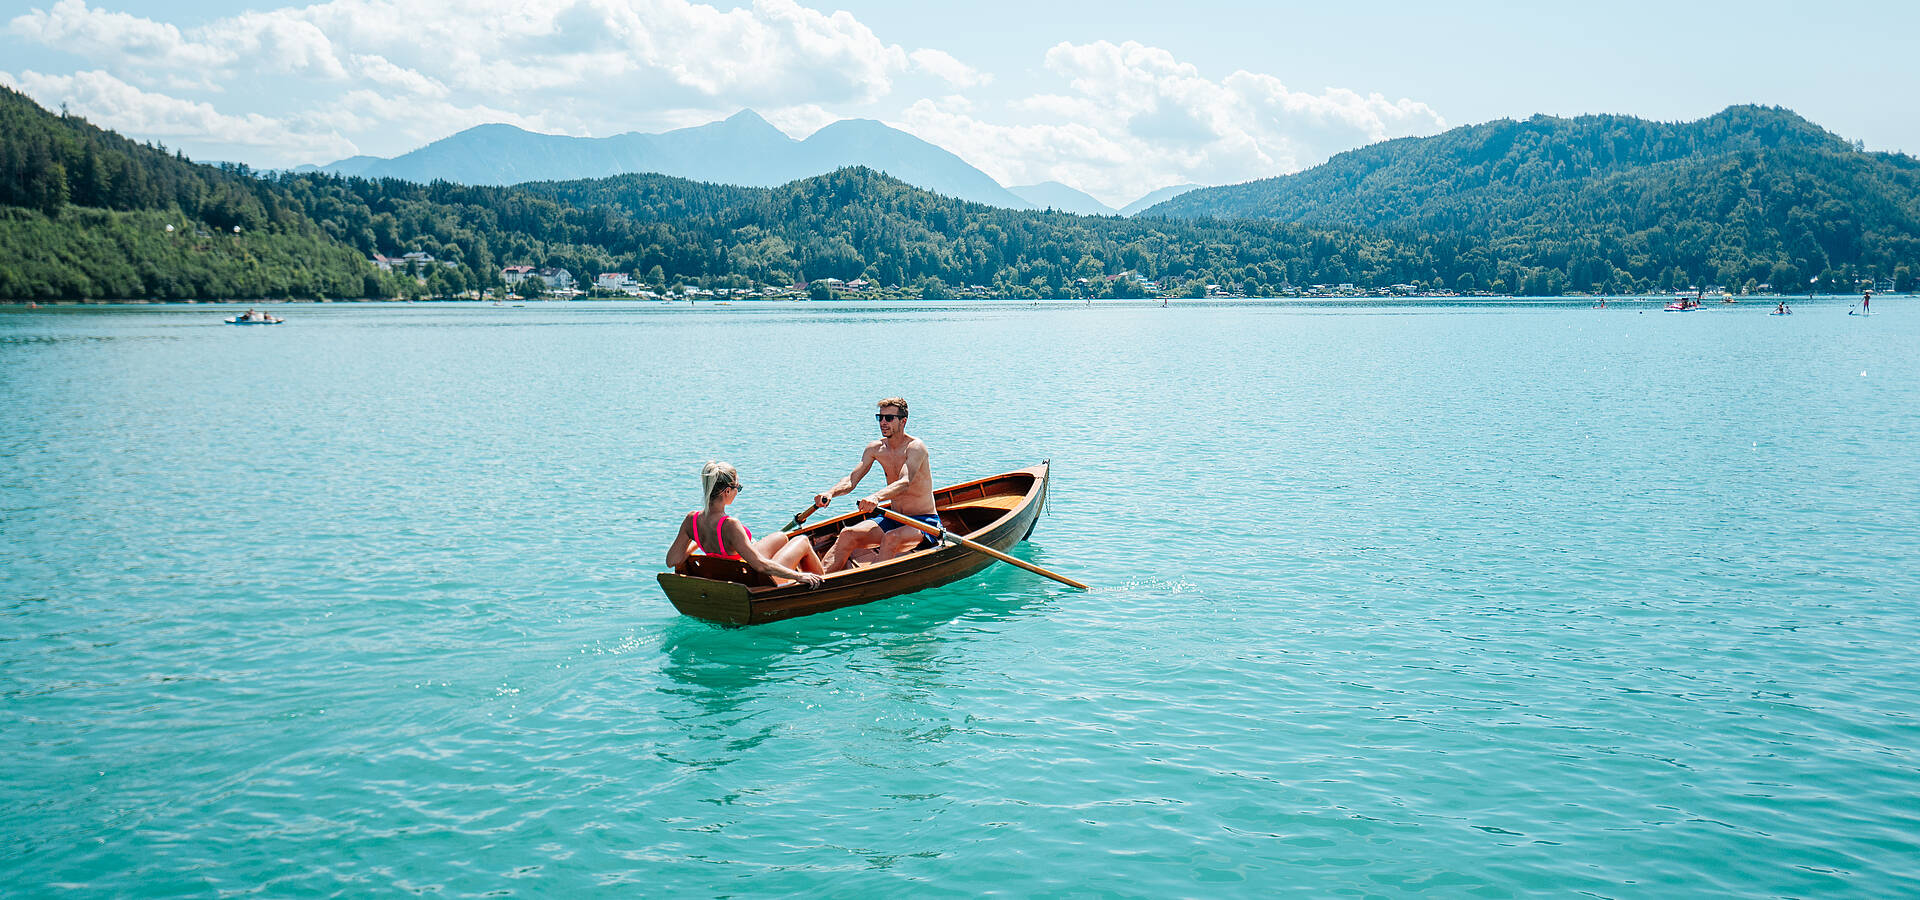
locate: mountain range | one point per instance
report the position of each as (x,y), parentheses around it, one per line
(1747,198)
(1061,198)
(1512,168)
(1597,198)
(743,149)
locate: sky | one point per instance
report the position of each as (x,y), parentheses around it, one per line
(1116,98)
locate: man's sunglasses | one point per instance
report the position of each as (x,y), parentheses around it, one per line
(887,417)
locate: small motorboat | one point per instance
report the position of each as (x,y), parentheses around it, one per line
(997,512)
(262,320)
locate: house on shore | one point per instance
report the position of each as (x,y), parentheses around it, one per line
(555,279)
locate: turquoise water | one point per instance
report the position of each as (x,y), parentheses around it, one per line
(1481,600)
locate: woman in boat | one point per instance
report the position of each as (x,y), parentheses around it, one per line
(715,533)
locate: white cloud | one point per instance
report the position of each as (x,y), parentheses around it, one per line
(379,70)
(298,82)
(280,42)
(1137,119)
(106,100)
(596,65)
(277,42)
(944,66)
(801,120)
(71,26)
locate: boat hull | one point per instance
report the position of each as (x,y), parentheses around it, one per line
(999,512)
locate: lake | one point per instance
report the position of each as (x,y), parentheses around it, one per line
(1466,599)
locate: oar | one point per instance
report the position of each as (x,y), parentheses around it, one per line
(800,517)
(974,545)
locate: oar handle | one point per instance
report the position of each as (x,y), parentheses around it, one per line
(800,517)
(979,547)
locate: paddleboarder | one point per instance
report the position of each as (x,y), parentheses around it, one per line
(1865,302)
(909,486)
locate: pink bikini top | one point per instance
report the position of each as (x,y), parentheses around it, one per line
(719,540)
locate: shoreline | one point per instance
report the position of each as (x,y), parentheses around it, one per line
(1080,301)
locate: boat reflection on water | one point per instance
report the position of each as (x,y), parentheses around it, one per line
(914,639)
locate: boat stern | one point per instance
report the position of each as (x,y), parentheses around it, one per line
(724,602)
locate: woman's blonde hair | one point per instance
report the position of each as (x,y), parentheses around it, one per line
(717,477)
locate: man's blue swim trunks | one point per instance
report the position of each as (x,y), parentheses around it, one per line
(926,540)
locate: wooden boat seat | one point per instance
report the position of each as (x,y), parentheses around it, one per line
(720,568)
(1002,502)
(964,516)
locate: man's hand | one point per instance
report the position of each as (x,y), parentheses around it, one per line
(867,504)
(820,501)
(810,580)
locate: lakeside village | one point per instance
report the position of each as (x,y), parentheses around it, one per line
(522,282)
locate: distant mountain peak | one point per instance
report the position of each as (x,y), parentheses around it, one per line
(491,129)
(742,149)
(1063,198)
(746,121)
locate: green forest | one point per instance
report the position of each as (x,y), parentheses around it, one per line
(1752,195)
(86,214)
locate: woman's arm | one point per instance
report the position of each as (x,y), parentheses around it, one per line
(682,546)
(736,537)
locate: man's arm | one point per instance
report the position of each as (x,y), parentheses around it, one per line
(852,480)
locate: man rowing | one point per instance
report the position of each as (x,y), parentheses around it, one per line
(909,486)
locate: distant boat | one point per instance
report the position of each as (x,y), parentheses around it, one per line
(263,320)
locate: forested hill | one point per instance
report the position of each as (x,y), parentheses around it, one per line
(1714,196)
(1499,163)
(86,214)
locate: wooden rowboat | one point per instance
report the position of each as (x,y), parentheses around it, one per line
(998,512)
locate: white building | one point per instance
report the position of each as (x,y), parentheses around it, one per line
(619,282)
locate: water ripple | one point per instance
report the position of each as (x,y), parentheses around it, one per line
(1388,601)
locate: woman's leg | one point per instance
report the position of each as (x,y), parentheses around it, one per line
(771,545)
(800,555)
